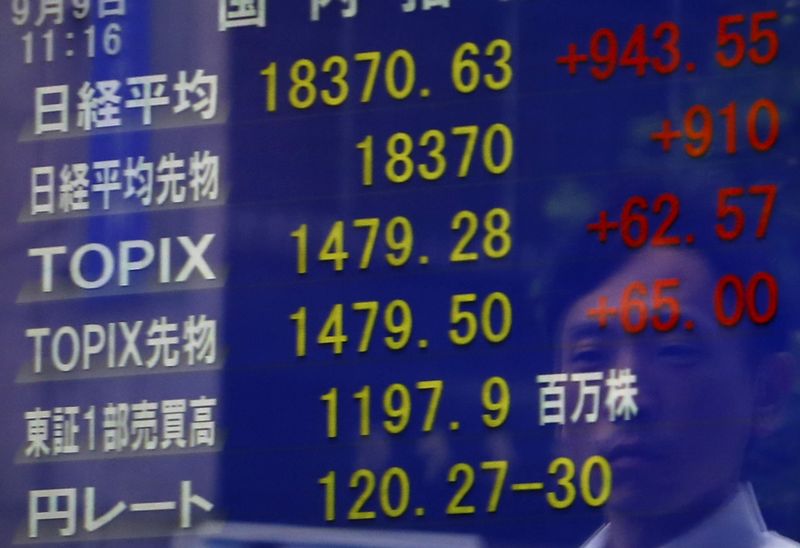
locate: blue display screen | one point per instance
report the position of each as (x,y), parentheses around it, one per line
(399,273)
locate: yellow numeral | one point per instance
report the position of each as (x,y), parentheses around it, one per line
(329,482)
(331,398)
(302,73)
(397,406)
(372,225)
(565,481)
(338,65)
(368,477)
(333,331)
(374,60)
(455,507)
(471,133)
(371,308)
(500,467)
(436,388)
(333,248)
(496,398)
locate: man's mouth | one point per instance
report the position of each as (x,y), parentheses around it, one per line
(633,455)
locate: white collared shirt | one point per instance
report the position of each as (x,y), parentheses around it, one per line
(737,524)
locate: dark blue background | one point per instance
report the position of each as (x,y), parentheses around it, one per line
(578,144)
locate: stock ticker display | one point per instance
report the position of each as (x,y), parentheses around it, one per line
(399,273)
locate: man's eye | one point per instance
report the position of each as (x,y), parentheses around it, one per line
(588,357)
(679,353)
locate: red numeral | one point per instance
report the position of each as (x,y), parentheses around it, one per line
(636,311)
(634,226)
(734,215)
(733,43)
(726,210)
(671,304)
(774,123)
(727,37)
(703,135)
(745,299)
(631,308)
(635,54)
(757,34)
(660,238)
(763,128)
(770,192)
(604,49)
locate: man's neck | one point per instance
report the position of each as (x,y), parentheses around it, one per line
(650,531)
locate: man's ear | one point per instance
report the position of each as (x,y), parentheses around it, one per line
(774,380)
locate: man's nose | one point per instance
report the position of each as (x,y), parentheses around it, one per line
(635,360)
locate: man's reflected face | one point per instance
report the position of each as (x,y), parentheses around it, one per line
(686,445)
